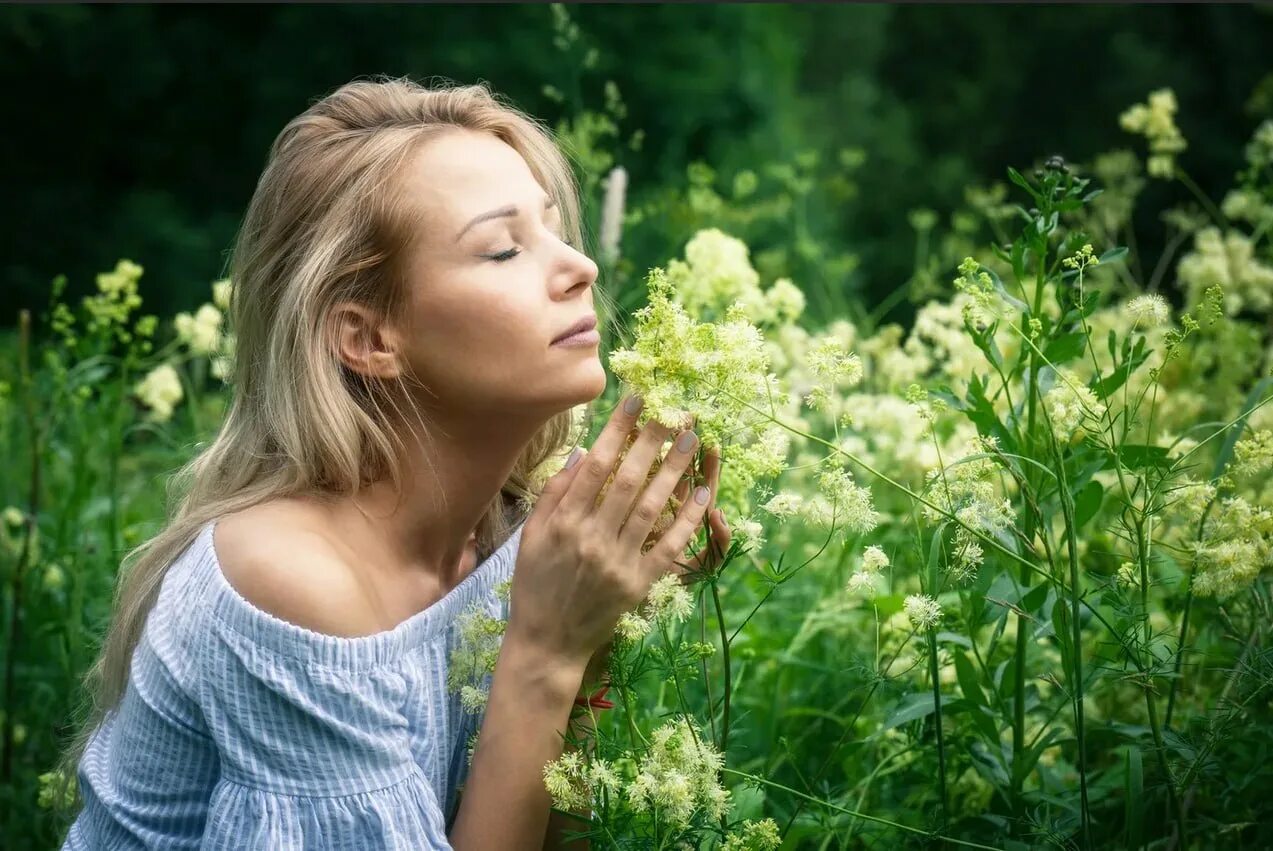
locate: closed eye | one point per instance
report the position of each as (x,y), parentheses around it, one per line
(505,256)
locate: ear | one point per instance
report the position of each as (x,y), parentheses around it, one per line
(364,341)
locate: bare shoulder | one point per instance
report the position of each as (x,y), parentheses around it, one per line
(276,557)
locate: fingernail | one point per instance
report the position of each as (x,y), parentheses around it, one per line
(700,496)
(723,521)
(632,405)
(574,457)
(686,441)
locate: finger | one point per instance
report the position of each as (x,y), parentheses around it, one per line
(652,501)
(580,497)
(664,555)
(718,544)
(630,480)
(555,488)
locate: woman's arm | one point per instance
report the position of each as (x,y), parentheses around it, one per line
(582,727)
(505,804)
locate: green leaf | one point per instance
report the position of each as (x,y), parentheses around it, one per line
(1015,177)
(967,676)
(1087,502)
(910,708)
(1116,253)
(1066,347)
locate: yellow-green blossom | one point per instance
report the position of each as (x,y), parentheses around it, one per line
(1228,262)
(221,292)
(1155,120)
(754,836)
(201,332)
(160,391)
(1069,404)
(679,776)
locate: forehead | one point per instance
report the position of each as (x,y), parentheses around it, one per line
(463,173)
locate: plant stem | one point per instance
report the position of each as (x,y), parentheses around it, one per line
(724,642)
(941,743)
(837,808)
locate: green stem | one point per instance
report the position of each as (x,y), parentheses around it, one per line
(856,814)
(724,642)
(941,742)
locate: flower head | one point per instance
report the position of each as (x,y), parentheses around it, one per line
(923,611)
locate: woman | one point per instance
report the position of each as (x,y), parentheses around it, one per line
(274,675)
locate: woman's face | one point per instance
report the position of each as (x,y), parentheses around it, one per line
(492,282)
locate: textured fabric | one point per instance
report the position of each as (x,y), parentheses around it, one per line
(239,730)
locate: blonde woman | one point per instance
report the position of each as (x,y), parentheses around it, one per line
(274,675)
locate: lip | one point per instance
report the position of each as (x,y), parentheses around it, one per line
(588,323)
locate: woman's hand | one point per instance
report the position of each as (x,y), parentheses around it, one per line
(719,537)
(583,559)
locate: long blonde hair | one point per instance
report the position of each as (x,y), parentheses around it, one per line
(325,224)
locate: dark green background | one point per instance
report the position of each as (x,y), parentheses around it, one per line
(139,131)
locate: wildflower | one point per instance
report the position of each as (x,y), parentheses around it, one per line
(785,504)
(632,627)
(160,390)
(719,373)
(982,303)
(829,360)
(221,292)
(922,611)
(1150,310)
(754,836)
(201,332)
(966,490)
(785,302)
(13,516)
(1082,259)
(474,655)
(1068,403)
(1156,121)
(472,698)
(1228,262)
(565,781)
(861,584)
(116,298)
(851,501)
(1253,455)
(679,775)
(669,599)
(874,559)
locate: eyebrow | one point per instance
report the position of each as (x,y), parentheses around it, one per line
(502,213)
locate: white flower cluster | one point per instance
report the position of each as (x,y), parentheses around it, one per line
(668,600)
(679,775)
(754,836)
(966,489)
(160,390)
(1236,543)
(1156,121)
(574,784)
(474,655)
(1070,403)
(717,273)
(201,332)
(863,581)
(1229,262)
(922,611)
(1149,310)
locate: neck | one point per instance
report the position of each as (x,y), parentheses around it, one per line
(449,482)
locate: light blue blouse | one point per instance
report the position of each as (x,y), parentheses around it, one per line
(239,730)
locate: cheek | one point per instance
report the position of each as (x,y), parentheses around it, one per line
(490,339)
